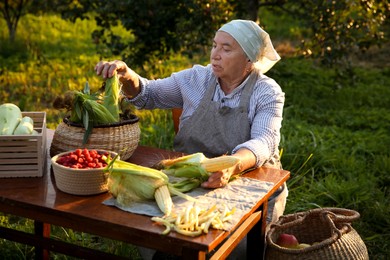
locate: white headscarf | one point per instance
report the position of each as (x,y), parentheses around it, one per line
(255,42)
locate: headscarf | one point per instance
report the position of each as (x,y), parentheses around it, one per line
(255,42)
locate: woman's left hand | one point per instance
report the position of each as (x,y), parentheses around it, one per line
(218,179)
(221,178)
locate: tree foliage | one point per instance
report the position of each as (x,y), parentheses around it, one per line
(333,30)
(339,28)
(159,27)
(249,9)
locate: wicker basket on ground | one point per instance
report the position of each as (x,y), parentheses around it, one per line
(327,230)
(122,137)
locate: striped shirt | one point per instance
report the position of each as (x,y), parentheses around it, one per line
(186,88)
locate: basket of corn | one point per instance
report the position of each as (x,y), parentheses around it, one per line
(97,120)
(81,171)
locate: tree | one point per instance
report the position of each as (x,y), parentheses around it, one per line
(160,27)
(249,9)
(12,11)
(337,29)
(333,29)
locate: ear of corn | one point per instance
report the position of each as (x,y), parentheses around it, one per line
(188,171)
(129,183)
(219,163)
(195,168)
(209,164)
(111,96)
(163,199)
(132,185)
(89,112)
(85,104)
(187,159)
(135,169)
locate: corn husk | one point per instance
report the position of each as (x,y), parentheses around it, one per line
(194,169)
(130,183)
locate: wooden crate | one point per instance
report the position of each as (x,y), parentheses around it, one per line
(25,155)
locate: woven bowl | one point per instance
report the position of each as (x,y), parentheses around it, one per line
(122,137)
(328,230)
(80,181)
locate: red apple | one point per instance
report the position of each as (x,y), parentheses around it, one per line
(287,240)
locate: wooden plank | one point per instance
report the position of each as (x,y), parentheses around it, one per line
(18,161)
(49,244)
(27,153)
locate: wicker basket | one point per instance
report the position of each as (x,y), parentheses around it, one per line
(328,229)
(80,181)
(122,137)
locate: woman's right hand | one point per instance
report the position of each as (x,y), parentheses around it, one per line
(128,78)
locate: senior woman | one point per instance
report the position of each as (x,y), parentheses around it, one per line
(229,106)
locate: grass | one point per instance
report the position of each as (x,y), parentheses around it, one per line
(335,135)
(345,129)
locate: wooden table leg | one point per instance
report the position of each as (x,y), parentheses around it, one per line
(191,254)
(256,236)
(235,238)
(41,230)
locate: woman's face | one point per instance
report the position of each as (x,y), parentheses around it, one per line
(227,58)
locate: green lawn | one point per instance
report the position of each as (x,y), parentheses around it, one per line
(335,135)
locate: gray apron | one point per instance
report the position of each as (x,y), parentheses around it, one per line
(216,130)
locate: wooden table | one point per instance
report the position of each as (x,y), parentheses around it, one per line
(40,200)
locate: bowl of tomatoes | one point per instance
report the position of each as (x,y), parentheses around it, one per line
(81,171)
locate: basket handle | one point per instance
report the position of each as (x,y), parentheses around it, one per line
(339,230)
(285,221)
(333,215)
(341,215)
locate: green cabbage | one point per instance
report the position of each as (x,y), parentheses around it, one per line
(25,127)
(10,116)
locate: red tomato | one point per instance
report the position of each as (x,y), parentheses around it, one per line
(79,152)
(83,159)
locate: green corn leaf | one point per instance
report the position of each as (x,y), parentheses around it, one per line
(187,184)
(87,89)
(111,96)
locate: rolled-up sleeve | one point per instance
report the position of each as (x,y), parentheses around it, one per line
(265,115)
(159,93)
(181,89)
